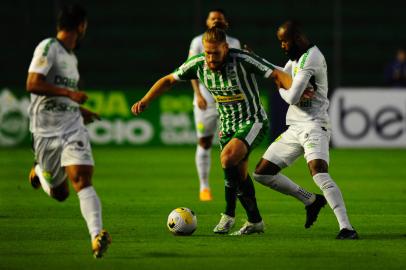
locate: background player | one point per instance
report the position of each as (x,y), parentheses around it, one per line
(204,106)
(60,140)
(308,132)
(229,75)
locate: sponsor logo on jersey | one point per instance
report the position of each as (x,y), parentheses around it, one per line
(67,82)
(229,99)
(54,106)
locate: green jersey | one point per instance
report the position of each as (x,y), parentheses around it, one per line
(233,87)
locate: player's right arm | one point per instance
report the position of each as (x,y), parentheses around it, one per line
(36,84)
(161,86)
(41,63)
(187,71)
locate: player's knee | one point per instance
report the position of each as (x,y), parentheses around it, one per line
(265,167)
(266,180)
(205,142)
(318,166)
(228,160)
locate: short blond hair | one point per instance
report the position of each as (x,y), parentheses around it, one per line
(214,35)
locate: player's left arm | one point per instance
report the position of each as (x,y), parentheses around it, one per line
(300,84)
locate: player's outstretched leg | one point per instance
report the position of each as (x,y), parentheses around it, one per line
(335,199)
(268,174)
(90,206)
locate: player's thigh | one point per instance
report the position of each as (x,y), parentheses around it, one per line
(205,121)
(315,142)
(249,135)
(284,150)
(77,149)
(77,157)
(48,152)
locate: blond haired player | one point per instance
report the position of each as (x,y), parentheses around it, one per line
(204,106)
(230,76)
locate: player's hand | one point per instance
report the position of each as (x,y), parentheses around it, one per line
(201,102)
(78,96)
(89,116)
(308,93)
(138,107)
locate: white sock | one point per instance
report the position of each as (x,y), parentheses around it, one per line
(283,184)
(44,184)
(90,207)
(203,162)
(334,198)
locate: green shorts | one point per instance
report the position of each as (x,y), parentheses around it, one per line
(251,134)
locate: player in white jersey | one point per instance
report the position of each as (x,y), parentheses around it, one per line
(308,132)
(204,106)
(60,139)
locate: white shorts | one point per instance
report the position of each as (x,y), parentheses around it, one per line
(55,153)
(206,120)
(312,141)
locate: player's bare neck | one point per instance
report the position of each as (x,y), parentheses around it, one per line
(67,38)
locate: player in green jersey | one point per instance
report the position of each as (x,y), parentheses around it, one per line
(229,75)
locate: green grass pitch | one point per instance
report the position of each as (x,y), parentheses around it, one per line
(138,188)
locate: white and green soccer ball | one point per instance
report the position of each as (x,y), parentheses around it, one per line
(182,221)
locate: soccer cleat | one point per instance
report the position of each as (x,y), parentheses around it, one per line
(100,244)
(33,178)
(205,195)
(250,228)
(313,210)
(225,224)
(347,234)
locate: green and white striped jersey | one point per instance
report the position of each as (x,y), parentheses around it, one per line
(234,87)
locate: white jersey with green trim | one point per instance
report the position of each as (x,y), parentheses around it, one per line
(196,47)
(54,115)
(233,87)
(309,70)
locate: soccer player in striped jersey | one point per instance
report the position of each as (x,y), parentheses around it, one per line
(204,106)
(60,139)
(308,132)
(230,76)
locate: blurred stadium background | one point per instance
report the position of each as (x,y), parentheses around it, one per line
(129,45)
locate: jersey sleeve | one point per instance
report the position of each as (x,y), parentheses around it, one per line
(308,65)
(188,70)
(257,65)
(44,57)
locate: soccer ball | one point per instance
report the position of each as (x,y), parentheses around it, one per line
(182,221)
